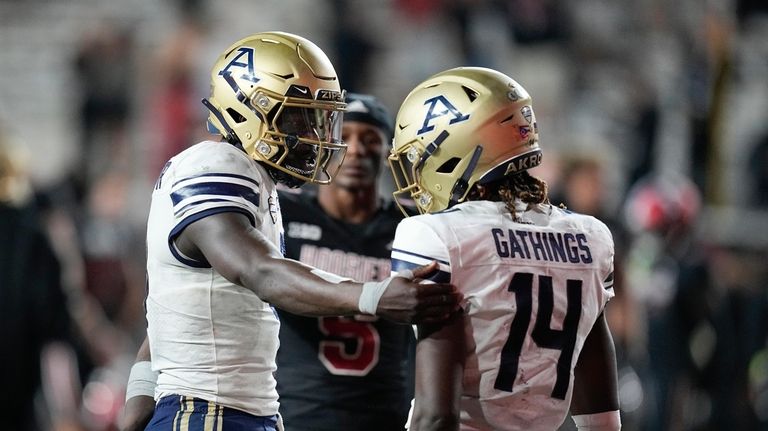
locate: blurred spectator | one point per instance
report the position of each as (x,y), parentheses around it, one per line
(583,188)
(758,169)
(89,216)
(103,67)
(112,247)
(484,30)
(94,248)
(89,221)
(533,21)
(736,376)
(39,372)
(354,49)
(707,39)
(175,78)
(668,272)
(419,10)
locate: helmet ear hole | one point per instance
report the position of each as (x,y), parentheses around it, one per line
(235,116)
(448,166)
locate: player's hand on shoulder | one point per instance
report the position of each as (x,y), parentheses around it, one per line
(409,300)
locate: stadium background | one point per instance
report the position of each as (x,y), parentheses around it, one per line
(96,94)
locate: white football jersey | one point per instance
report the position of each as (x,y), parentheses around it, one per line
(532,291)
(209,338)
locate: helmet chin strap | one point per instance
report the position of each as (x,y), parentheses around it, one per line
(230,136)
(432,147)
(285,179)
(462,184)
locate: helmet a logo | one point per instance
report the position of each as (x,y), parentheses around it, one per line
(248,72)
(445,108)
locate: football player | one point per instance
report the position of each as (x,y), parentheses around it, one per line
(531,341)
(215,264)
(346,373)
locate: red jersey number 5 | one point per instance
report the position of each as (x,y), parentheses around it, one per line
(350,347)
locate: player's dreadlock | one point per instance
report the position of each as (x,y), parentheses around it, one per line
(523,186)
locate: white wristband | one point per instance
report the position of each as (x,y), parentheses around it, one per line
(373,290)
(605,421)
(141,381)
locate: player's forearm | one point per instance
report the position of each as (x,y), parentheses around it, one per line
(440,356)
(301,289)
(144,354)
(137,413)
(139,403)
(244,256)
(595,387)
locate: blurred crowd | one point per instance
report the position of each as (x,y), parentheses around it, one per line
(652,117)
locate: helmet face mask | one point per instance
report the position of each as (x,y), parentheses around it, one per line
(308,142)
(405,174)
(278,95)
(458,128)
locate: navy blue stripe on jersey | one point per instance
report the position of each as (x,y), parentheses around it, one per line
(193,218)
(608,282)
(216,189)
(225,175)
(439,276)
(444,262)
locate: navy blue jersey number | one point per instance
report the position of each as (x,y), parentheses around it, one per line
(543,335)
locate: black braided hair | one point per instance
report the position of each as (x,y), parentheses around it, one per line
(523,186)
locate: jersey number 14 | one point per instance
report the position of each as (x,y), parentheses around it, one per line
(543,335)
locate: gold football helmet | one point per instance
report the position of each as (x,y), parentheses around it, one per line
(277,94)
(460,127)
